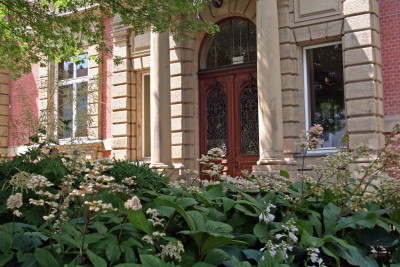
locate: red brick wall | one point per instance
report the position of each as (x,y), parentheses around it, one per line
(390,37)
(23,107)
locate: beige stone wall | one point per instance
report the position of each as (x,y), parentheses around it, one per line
(363,73)
(4,102)
(123,107)
(301,23)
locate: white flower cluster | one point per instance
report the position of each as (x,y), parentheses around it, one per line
(133,204)
(98,205)
(154,219)
(273,249)
(154,236)
(14,202)
(172,251)
(266,216)
(129,181)
(241,183)
(38,182)
(313,254)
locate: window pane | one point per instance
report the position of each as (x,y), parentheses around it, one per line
(81,119)
(325,71)
(146,117)
(65,112)
(65,70)
(82,66)
(235,43)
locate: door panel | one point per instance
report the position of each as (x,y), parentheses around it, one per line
(229,116)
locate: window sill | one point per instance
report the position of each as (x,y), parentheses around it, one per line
(321,152)
(78,141)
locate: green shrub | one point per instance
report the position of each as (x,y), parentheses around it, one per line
(144,176)
(340,217)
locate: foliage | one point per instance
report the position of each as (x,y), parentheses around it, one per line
(52,30)
(342,216)
(144,176)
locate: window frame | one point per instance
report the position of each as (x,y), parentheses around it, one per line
(74,81)
(307,93)
(146,123)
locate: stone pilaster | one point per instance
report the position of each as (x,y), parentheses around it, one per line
(289,80)
(122,102)
(363,73)
(269,87)
(4,102)
(182,106)
(160,101)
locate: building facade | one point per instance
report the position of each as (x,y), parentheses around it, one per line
(275,68)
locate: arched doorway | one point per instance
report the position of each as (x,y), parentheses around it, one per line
(228,103)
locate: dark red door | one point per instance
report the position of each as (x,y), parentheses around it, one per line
(228,109)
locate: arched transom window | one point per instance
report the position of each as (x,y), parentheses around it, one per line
(235,43)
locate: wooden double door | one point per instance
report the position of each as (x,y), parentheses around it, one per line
(228,106)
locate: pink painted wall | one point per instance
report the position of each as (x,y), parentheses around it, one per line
(24,110)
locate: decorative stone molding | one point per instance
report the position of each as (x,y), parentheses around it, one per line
(313,9)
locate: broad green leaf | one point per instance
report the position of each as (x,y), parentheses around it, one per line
(253,254)
(26,241)
(100,228)
(153,261)
(214,193)
(217,241)
(331,215)
(5,242)
(342,242)
(217,228)
(197,220)
(4,258)
(284,173)
(228,204)
(316,223)
(130,255)
(203,264)
(138,219)
(96,260)
(45,258)
(216,257)
(113,252)
(93,238)
(310,241)
(261,231)
(376,237)
(248,210)
(179,209)
(366,219)
(331,254)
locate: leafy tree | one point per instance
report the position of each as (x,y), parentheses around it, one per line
(33,31)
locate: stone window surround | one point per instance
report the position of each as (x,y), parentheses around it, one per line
(74,81)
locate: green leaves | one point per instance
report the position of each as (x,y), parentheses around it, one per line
(96,260)
(45,258)
(331,215)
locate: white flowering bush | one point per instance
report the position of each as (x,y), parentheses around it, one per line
(81,215)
